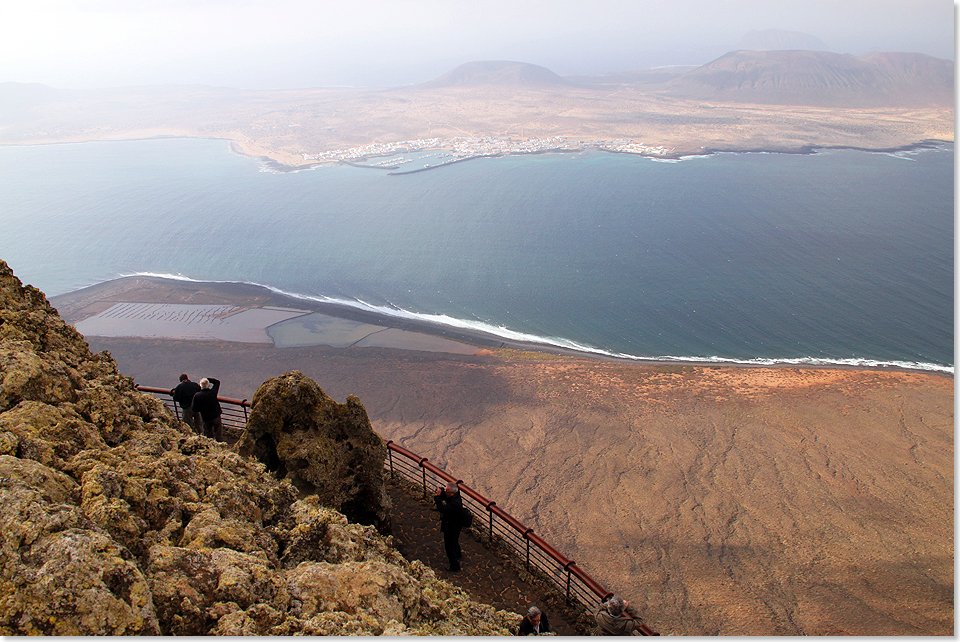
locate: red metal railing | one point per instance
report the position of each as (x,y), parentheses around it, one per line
(234,416)
(535,553)
(571,581)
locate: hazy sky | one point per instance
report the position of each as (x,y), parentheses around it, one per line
(270,44)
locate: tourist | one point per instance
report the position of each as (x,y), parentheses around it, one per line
(535,622)
(205,403)
(183,396)
(450,505)
(615,617)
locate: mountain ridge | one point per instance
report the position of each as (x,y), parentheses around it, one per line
(880,102)
(775,76)
(774,39)
(819,78)
(504,73)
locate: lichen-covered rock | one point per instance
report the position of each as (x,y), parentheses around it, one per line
(116,520)
(60,574)
(323,447)
(189,584)
(49,434)
(28,376)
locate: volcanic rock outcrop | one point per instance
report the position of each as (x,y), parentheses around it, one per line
(117,520)
(323,447)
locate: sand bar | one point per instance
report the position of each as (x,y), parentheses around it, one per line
(158,308)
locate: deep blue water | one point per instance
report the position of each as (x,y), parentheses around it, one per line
(841,256)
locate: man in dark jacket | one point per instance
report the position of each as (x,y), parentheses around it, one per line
(183,396)
(206,405)
(450,505)
(535,622)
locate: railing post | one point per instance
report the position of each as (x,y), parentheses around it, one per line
(528,551)
(243,404)
(390,457)
(423,472)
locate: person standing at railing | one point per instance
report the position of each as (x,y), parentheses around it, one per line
(535,622)
(183,396)
(206,404)
(615,617)
(450,504)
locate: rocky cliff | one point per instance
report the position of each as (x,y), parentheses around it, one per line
(324,448)
(117,520)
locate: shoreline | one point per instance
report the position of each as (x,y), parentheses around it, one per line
(802,150)
(281,167)
(87,302)
(278,166)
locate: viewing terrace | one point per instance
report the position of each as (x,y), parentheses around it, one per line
(506,564)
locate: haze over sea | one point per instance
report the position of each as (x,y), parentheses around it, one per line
(835,257)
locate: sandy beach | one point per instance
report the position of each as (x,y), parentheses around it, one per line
(719,500)
(157,307)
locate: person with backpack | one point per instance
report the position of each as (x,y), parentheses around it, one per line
(450,504)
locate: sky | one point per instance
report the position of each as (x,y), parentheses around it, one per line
(289,44)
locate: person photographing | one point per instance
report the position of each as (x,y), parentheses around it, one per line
(615,617)
(450,505)
(206,404)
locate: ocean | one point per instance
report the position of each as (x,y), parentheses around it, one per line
(840,256)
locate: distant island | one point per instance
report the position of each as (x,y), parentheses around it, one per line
(777,101)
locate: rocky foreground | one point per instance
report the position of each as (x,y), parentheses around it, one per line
(119,521)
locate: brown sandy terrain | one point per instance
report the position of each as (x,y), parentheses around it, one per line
(719,500)
(285,125)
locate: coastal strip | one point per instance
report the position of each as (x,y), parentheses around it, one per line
(153,307)
(464,149)
(313,321)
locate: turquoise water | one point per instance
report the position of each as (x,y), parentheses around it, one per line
(840,256)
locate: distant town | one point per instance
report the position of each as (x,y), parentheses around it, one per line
(456,149)
(489,112)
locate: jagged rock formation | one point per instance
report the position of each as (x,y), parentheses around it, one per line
(117,520)
(321,446)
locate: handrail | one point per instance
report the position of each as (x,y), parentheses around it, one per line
(163,391)
(569,571)
(563,573)
(234,421)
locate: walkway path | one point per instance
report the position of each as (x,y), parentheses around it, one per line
(485,574)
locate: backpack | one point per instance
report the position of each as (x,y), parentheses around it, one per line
(466,518)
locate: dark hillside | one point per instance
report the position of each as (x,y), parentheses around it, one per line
(640,80)
(502,73)
(18,100)
(820,78)
(778,39)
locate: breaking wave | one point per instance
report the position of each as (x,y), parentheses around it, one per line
(506,334)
